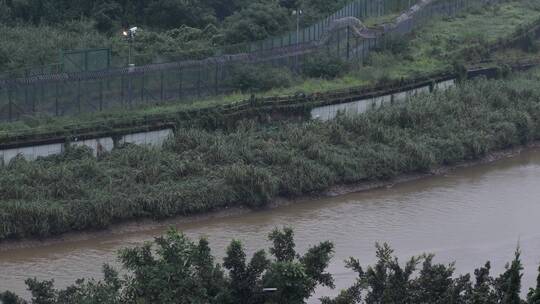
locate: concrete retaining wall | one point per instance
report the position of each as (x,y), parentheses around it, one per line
(98,145)
(30,153)
(329,112)
(153,138)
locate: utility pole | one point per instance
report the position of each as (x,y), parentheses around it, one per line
(130,36)
(298,13)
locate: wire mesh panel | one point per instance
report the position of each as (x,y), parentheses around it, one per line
(5,104)
(86,60)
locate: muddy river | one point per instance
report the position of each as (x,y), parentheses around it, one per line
(469,215)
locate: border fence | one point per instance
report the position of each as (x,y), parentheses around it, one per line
(86,60)
(93,90)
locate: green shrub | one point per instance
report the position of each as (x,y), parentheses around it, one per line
(254,186)
(395,44)
(324,66)
(529,43)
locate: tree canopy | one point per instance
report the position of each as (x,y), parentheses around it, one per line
(174,269)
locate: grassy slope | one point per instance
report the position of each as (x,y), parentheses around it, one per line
(433,49)
(199,170)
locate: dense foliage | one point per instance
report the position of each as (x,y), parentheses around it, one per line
(256,78)
(174,269)
(325,66)
(179,28)
(166,14)
(252,164)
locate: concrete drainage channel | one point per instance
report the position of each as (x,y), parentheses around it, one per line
(98,145)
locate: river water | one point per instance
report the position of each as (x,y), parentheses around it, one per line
(469,216)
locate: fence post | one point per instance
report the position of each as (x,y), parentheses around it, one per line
(338,43)
(101,95)
(162,93)
(26,86)
(10,109)
(363,50)
(34,99)
(356,50)
(180,84)
(199,80)
(42,92)
(122,93)
(79,95)
(130,89)
(142,87)
(56,93)
(216,79)
(348,43)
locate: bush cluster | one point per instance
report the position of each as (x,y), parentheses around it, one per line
(257,78)
(325,66)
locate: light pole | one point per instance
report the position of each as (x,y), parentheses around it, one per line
(130,36)
(298,13)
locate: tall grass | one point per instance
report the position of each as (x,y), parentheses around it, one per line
(252,164)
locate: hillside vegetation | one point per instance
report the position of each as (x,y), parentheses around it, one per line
(439,46)
(38,30)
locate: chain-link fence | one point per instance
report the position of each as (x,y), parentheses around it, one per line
(74,61)
(58,94)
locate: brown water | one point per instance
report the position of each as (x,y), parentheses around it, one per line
(470,215)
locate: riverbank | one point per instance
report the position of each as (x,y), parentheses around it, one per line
(146,225)
(251,165)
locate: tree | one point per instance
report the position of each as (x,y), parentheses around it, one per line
(245,279)
(106,14)
(314,10)
(5,12)
(168,14)
(10,298)
(179,272)
(257,21)
(508,285)
(294,276)
(482,292)
(43,292)
(435,284)
(534,293)
(225,8)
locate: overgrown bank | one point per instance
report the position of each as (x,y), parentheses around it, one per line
(253,164)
